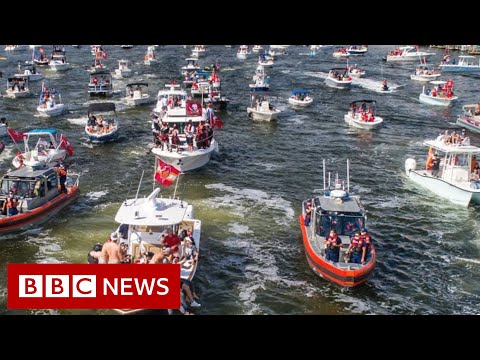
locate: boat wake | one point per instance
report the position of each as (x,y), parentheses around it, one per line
(375,85)
(78,121)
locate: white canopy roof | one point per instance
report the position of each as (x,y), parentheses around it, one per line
(452,148)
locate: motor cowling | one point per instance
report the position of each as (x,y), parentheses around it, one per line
(410,164)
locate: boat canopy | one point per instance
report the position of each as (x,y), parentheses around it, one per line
(452,148)
(101,72)
(101,107)
(42,131)
(374,102)
(332,204)
(137,84)
(27,172)
(339,69)
(18,77)
(301,91)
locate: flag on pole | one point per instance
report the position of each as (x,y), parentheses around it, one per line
(16,135)
(217,122)
(64,143)
(193,108)
(166,173)
(44,87)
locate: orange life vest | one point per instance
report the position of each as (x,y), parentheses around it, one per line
(12,203)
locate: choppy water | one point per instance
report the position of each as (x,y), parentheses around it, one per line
(248,197)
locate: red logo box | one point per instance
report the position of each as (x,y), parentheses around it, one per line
(86,286)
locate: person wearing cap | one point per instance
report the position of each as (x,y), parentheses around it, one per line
(357,249)
(62,177)
(308,214)
(10,204)
(332,245)
(111,251)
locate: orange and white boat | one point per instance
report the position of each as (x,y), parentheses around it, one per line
(36,196)
(335,209)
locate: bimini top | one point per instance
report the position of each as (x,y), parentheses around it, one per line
(101,72)
(18,77)
(27,172)
(339,69)
(101,107)
(452,148)
(340,205)
(301,91)
(137,84)
(42,131)
(364,101)
(151,211)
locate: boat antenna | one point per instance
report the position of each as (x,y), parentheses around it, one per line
(329,180)
(336,179)
(138,190)
(348,175)
(324,178)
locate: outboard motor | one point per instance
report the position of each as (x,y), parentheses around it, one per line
(410,164)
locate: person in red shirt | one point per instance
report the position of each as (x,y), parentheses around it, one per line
(171,240)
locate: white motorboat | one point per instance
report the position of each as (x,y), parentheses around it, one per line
(257,49)
(300,98)
(199,49)
(100,84)
(453,178)
(148,220)
(17,87)
(102,124)
(97,66)
(136,94)
(261,109)
(338,78)
(357,50)
(50,102)
(191,66)
(58,60)
(363,115)
(439,95)
(13,47)
(38,57)
(341,53)
(126,46)
(470,118)
(242,52)
(49,149)
(150,57)
(423,73)
(123,71)
(355,71)
(29,70)
(263,61)
(466,63)
(406,53)
(175,112)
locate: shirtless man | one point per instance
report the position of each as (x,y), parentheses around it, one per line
(111,251)
(157,258)
(95,256)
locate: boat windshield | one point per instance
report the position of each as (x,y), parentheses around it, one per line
(20,188)
(343,224)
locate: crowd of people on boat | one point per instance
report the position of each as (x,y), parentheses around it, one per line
(339,76)
(395,52)
(454,138)
(100,80)
(445,91)
(98,125)
(47,98)
(357,252)
(18,84)
(366,112)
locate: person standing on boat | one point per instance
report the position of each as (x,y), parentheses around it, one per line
(189,131)
(308,214)
(435,165)
(62,177)
(11,204)
(333,244)
(111,251)
(171,240)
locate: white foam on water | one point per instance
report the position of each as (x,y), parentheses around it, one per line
(320,74)
(374,85)
(96,194)
(78,121)
(471,261)
(237,200)
(48,248)
(268,166)
(354,305)
(239,229)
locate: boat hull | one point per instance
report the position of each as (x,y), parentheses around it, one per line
(438,101)
(98,139)
(456,68)
(338,84)
(261,115)
(425,77)
(470,124)
(365,125)
(39,215)
(296,102)
(325,269)
(17,95)
(59,67)
(189,161)
(48,112)
(137,101)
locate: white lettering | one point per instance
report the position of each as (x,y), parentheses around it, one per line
(113,289)
(149,290)
(126,286)
(160,285)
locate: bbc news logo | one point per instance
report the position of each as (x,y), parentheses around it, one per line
(86,286)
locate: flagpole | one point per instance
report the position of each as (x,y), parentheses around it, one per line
(176,185)
(154,172)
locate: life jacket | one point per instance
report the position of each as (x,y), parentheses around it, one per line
(357,245)
(62,172)
(12,203)
(367,240)
(331,242)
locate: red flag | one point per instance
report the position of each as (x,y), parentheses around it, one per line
(166,173)
(217,122)
(64,143)
(16,135)
(193,108)
(104,55)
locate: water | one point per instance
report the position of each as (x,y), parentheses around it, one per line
(248,197)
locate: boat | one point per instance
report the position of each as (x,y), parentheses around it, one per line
(263,61)
(37,196)
(355,71)
(406,53)
(341,53)
(48,149)
(338,78)
(439,95)
(28,70)
(242,52)
(470,118)
(17,87)
(38,57)
(218,102)
(58,60)
(13,47)
(136,94)
(97,66)
(336,215)
(126,46)
(50,102)
(148,220)
(261,109)
(198,49)
(123,71)
(257,49)
(100,84)
(357,50)
(423,73)
(175,112)
(191,66)
(102,124)
(452,180)
(466,63)
(363,115)
(150,57)
(300,98)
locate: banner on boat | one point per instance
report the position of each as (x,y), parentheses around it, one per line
(87,286)
(16,135)
(193,108)
(166,173)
